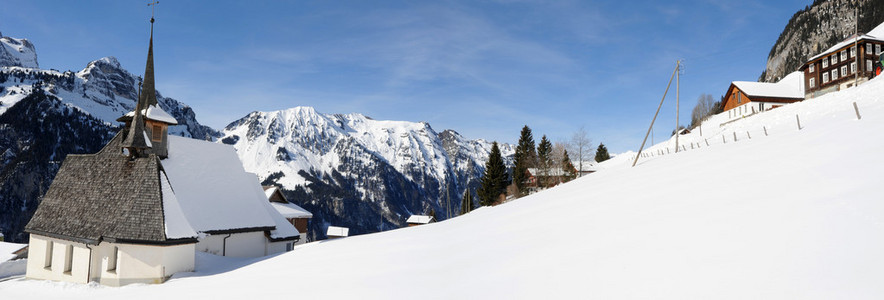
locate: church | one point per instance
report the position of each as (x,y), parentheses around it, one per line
(136,211)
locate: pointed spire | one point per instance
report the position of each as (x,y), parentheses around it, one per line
(148,90)
(135,138)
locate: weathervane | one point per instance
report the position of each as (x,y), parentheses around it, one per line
(153,8)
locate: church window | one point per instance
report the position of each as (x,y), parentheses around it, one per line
(112,260)
(47,261)
(68,258)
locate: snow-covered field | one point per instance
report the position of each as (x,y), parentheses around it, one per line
(797,214)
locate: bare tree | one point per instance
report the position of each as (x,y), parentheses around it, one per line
(705,107)
(581,148)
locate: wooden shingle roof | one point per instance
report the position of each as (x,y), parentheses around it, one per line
(105,196)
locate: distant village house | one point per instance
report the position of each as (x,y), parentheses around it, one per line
(415,220)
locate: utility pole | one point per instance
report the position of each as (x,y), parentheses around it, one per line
(856,46)
(677,79)
(655,114)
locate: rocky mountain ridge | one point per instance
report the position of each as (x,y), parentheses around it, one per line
(816,28)
(351,170)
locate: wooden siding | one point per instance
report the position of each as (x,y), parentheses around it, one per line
(730,100)
(818,68)
(733,93)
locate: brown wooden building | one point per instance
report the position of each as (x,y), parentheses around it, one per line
(745,98)
(842,66)
(298,216)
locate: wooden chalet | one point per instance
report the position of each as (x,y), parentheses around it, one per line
(294,214)
(842,66)
(745,98)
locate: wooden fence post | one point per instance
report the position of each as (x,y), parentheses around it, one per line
(858,117)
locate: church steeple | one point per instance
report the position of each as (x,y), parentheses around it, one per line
(148,126)
(148,89)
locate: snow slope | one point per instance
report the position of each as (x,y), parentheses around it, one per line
(796,214)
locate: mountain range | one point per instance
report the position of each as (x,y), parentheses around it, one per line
(348,169)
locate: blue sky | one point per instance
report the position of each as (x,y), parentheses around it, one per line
(482,68)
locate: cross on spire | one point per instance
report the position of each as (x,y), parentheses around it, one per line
(153,8)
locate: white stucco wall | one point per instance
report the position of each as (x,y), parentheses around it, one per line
(37,257)
(141,263)
(279,247)
(244,244)
(303,239)
(135,263)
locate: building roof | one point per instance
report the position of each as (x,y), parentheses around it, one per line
(216,193)
(107,196)
(152,112)
(876,34)
(419,219)
(556,171)
(337,231)
(791,86)
(8,250)
(290,210)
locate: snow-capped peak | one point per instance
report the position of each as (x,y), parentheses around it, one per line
(17,53)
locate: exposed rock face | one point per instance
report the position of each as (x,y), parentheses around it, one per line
(353,171)
(816,28)
(17,53)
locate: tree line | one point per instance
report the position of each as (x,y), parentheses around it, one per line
(536,167)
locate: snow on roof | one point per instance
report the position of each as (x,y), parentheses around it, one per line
(419,219)
(791,86)
(7,250)
(155,113)
(269,191)
(175,222)
(283,229)
(876,34)
(291,210)
(213,189)
(337,231)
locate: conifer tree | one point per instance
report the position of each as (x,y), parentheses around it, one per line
(568,168)
(544,160)
(466,205)
(494,181)
(601,154)
(525,158)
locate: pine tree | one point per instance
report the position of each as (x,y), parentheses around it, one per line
(525,158)
(544,161)
(466,205)
(601,154)
(494,181)
(568,168)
